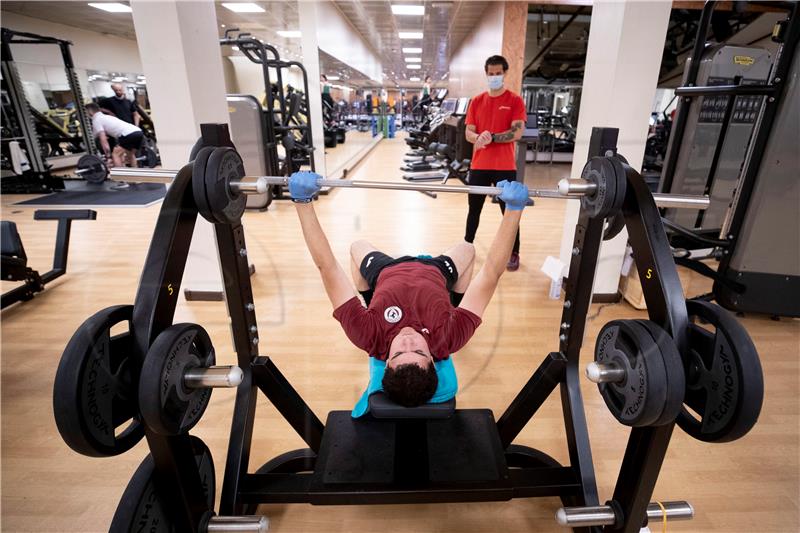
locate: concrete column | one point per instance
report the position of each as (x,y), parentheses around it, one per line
(179,48)
(515,27)
(309,42)
(626,41)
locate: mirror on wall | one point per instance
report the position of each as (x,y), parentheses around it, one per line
(135,85)
(350,101)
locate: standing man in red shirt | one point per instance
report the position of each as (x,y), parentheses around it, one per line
(419,309)
(495,122)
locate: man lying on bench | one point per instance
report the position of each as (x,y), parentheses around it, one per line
(419,309)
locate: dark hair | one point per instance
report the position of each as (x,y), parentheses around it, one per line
(91,106)
(496,60)
(410,385)
(324,77)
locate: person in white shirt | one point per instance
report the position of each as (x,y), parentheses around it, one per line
(128,137)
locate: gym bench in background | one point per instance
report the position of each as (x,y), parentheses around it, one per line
(15,261)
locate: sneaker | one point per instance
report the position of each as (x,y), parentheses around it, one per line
(513,262)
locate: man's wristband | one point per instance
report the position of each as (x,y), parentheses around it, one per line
(302,200)
(493,139)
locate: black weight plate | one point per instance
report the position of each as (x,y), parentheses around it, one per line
(599,170)
(94,168)
(724,381)
(150,158)
(673,365)
(199,183)
(93,394)
(619,163)
(293,462)
(140,509)
(639,399)
(224,165)
(198,144)
(614,226)
(169,407)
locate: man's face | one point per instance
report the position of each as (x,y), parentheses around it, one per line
(494,70)
(409,347)
(118,90)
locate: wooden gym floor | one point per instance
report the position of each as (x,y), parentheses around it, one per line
(747,486)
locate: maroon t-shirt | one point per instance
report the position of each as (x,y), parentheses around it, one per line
(408,294)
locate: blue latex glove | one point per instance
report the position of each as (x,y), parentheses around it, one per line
(303,186)
(515,194)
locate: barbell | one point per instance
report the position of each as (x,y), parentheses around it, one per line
(567,189)
(93,169)
(220,184)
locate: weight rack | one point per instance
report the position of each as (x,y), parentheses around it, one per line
(524,472)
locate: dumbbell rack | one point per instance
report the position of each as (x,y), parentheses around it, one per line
(178,482)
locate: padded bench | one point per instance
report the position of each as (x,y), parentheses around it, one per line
(15,262)
(383,408)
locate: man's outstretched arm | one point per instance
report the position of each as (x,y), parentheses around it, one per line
(302,187)
(482,288)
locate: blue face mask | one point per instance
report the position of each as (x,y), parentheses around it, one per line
(495,82)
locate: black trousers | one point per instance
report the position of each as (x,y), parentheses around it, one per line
(485,178)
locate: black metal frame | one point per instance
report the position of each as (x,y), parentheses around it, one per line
(39,179)
(290,478)
(267,57)
(689,90)
(726,282)
(33,281)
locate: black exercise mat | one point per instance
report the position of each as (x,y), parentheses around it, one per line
(135,195)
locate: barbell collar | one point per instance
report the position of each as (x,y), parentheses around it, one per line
(604,372)
(213,377)
(603,515)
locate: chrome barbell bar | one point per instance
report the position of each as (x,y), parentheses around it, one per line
(567,188)
(238,524)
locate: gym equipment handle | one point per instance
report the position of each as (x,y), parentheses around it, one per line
(238,524)
(567,188)
(603,515)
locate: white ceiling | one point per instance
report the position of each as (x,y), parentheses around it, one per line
(77,14)
(444,25)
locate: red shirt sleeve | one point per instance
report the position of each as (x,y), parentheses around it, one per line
(358,324)
(459,328)
(518,111)
(471,112)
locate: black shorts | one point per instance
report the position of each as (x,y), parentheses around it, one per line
(131,141)
(375,261)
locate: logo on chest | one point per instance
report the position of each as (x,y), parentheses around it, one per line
(393,314)
(504,108)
